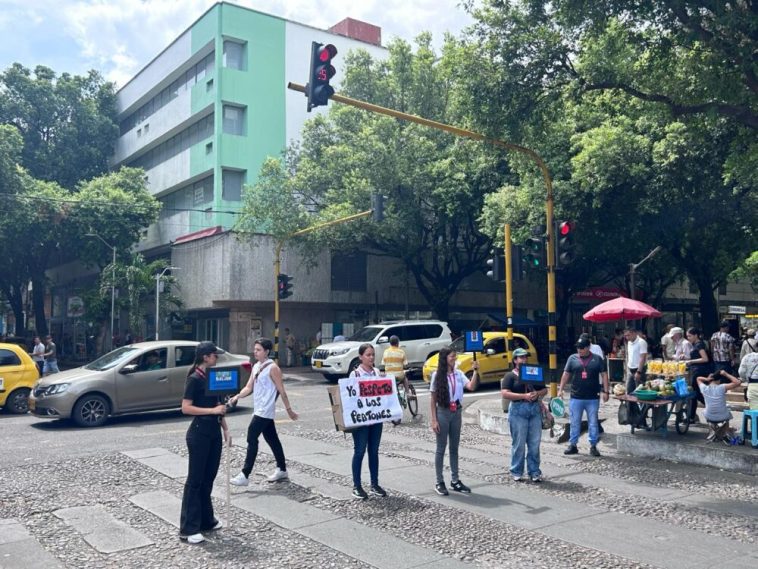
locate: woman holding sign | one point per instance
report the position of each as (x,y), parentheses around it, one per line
(524,418)
(447,413)
(369,437)
(204,446)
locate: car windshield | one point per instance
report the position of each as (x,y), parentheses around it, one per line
(457,345)
(366,334)
(112,359)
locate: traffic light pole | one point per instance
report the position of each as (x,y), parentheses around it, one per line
(508,285)
(278,265)
(551,320)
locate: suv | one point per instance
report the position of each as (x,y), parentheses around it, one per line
(420,339)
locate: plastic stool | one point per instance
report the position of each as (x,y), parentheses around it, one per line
(751,414)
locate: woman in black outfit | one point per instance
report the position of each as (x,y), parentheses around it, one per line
(700,365)
(204,445)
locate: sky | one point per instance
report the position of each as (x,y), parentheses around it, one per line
(119,37)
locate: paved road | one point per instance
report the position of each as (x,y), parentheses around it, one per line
(109,497)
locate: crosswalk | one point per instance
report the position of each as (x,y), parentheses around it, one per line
(322,469)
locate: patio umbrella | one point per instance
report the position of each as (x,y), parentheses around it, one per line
(621,308)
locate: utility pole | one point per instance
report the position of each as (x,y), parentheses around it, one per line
(158,298)
(113,284)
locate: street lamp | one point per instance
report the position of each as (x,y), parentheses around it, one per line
(634,266)
(113,282)
(158,297)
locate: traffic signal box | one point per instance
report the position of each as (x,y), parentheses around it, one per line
(564,243)
(496,265)
(535,253)
(283,286)
(318,89)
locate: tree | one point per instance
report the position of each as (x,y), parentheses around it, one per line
(68,123)
(434,183)
(645,113)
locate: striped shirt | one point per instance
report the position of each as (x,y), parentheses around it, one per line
(394,362)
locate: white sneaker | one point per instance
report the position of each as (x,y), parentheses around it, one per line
(195,538)
(278,475)
(239,480)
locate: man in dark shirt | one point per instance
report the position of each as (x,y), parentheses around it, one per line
(586,371)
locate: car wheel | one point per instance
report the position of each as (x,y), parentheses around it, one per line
(18,401)
(331,378)
(91,411)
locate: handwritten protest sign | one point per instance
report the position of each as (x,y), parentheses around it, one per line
(368,400)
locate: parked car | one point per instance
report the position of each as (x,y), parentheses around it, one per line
(139,377)
(419,338)
(18,373)
(493,362)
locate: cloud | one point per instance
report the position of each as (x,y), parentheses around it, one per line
(119,37)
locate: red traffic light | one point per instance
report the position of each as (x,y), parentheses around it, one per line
(327,52)
(565,228)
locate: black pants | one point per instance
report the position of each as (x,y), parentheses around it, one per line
(698,396)
(267,427)
(204,445)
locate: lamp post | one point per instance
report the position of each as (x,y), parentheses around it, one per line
(113,282)
(158,297)
(634,266)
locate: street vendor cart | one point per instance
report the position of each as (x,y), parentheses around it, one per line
(656,410)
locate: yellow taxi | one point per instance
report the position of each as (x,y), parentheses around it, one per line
(18,374)
(494,361)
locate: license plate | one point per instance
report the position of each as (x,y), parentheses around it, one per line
(318,364)
(32,404)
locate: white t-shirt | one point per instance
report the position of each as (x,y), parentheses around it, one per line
(597,350)
(456,381)
(264,391)
(360,372)
(37,352)
(634,350)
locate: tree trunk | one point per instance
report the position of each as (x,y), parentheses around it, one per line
(13,296)
(38,302)
(709,313)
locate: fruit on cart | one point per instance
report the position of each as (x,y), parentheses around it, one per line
(619,389)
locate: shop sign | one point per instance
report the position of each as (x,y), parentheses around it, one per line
(737,310)
(600,293)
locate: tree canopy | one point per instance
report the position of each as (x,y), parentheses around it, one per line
(434,183)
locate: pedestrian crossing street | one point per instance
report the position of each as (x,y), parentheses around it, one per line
(403,471)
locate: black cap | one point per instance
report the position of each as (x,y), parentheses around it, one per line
(725,324)
(582,343)
(206,349)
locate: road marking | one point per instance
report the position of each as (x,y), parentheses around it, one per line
(101,530)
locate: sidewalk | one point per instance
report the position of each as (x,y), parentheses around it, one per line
(690,448)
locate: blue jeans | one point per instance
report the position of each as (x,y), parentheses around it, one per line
(525,421)
(366,438)
(576,408)
(50,366)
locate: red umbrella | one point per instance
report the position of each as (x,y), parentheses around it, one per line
(621,308)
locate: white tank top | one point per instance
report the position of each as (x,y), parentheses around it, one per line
(264,391)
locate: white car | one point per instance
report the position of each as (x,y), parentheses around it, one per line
(420,339)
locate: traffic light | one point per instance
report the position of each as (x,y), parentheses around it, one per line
(496,265)
(318,89)
(534,253)
(283,286)
(564,243)
(377,207)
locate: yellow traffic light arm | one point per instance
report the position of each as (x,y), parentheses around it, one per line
(553,362)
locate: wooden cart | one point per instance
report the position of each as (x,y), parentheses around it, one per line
(655,414)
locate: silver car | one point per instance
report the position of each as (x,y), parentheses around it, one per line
(139,377)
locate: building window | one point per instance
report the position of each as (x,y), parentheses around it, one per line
(209,148)
(234,55)
(231,184)
(349,272)
(176,144)
(234,120)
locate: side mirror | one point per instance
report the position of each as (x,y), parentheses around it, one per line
(129,368)
(490,351)
(382,340)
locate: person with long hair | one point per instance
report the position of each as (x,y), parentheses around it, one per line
(204,446)
(524,419)
(700,365)
(266,385)
(366,438)
(446,387)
